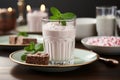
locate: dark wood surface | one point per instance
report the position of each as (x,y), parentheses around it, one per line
(95,71)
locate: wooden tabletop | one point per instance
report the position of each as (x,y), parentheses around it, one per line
(95,71)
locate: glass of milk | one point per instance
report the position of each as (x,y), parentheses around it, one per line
(105,17)
(59,40)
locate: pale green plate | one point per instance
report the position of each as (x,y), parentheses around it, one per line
(4,40)
(81,57)
(25,29)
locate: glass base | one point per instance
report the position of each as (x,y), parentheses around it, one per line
(62,62)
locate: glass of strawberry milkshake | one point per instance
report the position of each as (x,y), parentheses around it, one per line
(59,40)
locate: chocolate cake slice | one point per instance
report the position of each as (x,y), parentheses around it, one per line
(25,40)
(13,39)
(38,58)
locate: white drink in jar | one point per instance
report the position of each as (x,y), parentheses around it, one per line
(59,42)
(106,25)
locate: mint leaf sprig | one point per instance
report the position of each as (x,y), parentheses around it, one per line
(32,49)
(22,34)
(57,15)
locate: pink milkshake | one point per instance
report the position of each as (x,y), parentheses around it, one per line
(59,41)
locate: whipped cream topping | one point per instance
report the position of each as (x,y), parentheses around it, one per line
(55,29)
(57,26)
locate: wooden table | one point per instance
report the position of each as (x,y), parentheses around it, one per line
(94,71)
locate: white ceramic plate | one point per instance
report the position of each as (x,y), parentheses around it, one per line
(4,40)
(106,50)
(82,57)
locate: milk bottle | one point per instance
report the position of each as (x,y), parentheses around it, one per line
(106,23)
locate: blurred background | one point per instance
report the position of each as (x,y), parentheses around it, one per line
(82,8)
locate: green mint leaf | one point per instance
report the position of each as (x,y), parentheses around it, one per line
(55,11)
(54,18)
(22,34)
(63,23)
(68,15)
(61,17)
(39,47)
(23,57)
(30,47)
(27,48)
(32,52)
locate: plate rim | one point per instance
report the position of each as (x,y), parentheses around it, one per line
(53,66)
(18,29)
(16,45)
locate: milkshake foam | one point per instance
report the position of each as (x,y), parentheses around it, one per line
(59,41)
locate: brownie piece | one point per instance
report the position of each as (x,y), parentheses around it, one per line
(38,58)
(25,40)
(13,39)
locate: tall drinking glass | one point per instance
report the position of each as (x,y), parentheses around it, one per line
(59,40)
(105,17)
(118,22)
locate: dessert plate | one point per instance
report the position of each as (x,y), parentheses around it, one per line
(25,29)
(4,40)
(81,57)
